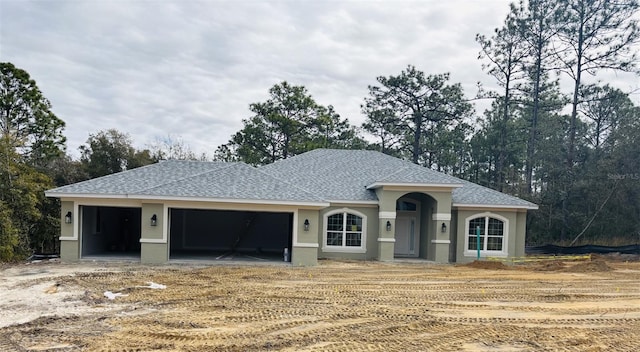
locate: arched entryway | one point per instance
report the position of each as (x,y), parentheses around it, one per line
(414,226)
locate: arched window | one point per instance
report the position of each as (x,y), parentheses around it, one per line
(493,234)
(345,231)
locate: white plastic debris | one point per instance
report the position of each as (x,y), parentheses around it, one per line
(111,295)
(154,286)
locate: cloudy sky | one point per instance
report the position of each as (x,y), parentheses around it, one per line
(190,69)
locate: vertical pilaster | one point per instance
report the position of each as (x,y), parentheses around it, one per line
(154,244)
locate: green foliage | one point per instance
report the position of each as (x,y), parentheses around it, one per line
(30,140)
(172,148)
(409,113)
(384,125)
(290,122)
(111,151)
(570,161)
(9,238)
(505,52)
(63,170)
(454,150)
(327,130)
(22,206)
(27,123)
(610,165)
(499,156)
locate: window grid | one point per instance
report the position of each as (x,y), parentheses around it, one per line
(354,239)
(495,227)
(491,234)
(494,243)
(334,222)
(334,238)
(344,230)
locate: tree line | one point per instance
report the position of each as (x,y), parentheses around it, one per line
(573,151)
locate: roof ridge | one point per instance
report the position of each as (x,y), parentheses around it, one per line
(192,161)
(393,173)
(226,165)
(293,157)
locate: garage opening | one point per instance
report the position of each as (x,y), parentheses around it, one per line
(230,235)
(110,232)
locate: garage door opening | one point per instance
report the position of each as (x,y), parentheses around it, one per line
(229,235)
(110,232)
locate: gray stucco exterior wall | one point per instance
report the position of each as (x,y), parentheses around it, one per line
(514,238)
(371,236)
(154,253)
(69,245)
(69,251)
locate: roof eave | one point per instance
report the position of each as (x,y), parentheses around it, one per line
(346,201)
(322,204)
(376,185)
(233,200)
(500,206)
(85,195)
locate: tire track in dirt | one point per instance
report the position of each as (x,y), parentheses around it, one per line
(344,306)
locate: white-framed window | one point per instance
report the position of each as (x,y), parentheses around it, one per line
(494,230)
(344,231)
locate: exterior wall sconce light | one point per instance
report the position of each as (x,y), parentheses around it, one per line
(388,225)
(306,224)
(154,220)
(443,228)
(68,218)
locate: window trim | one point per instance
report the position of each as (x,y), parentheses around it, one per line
(344,248)
(487,253)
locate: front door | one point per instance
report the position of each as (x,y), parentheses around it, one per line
(406,237)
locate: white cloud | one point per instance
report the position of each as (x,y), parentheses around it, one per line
(191,69)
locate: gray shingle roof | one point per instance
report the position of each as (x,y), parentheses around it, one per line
(192,179)
(473,194)
(237,181)
(139,179)
(345,174)
(317,176)
(412,173)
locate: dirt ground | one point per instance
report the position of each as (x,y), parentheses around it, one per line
(336,306)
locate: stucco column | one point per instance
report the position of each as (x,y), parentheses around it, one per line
(386,235)
(304,251)
(441,239)
(517,246)
(386,225)
(69,232)
(154,226)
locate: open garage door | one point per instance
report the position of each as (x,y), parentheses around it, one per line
(224,234)
(110,232)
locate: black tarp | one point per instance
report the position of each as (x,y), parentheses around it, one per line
(586,249)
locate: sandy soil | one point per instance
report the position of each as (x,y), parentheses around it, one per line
(336,306)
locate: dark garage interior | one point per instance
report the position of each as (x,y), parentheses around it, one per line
(226,234)
(111,231)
